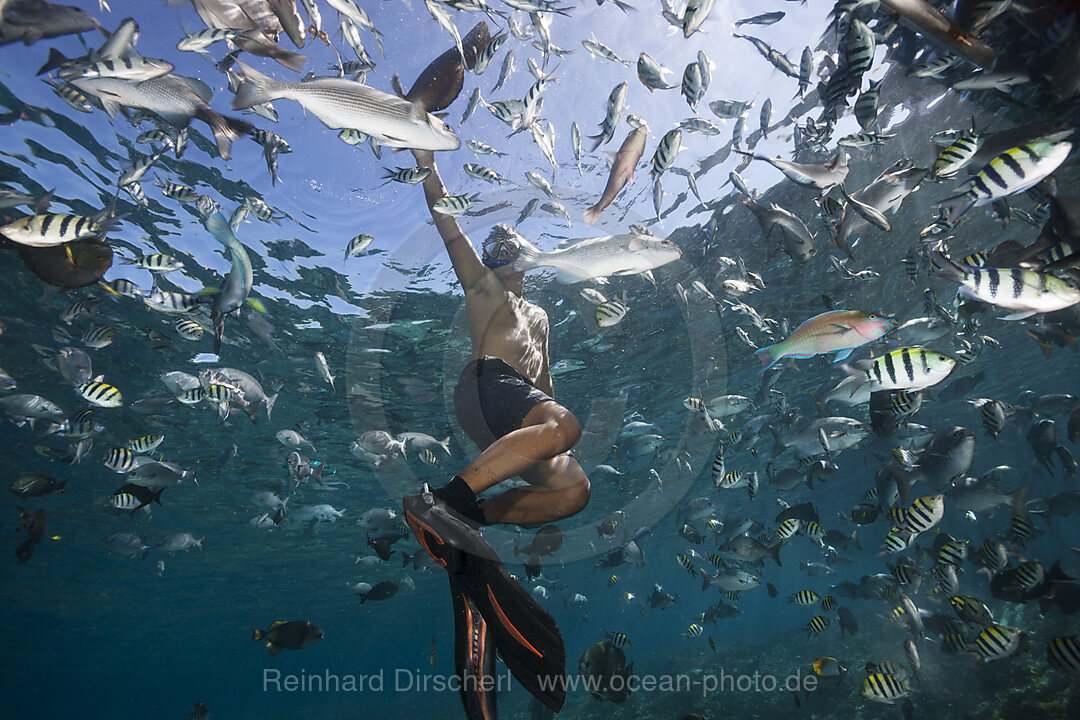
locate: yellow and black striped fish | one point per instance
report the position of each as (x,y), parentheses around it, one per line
(897,540)
(718,466)
(717,561)
(883,688)
(817,625)
(787,529)
(731,479)
(194,396)
(176,191)
(993,417)
(613,580)
(998,641)
(1064,653)
(610,312)
(156,262)
(120,460)
(909,368)
(953,552)
(686,564)
(975,259)
(897,516)
(50,229)
(732,596)
(804,597)
(100,394)
(450,204)
(906,575)
(145,444)
(1021,529)
(814,531)
(218,393)
(172,302)
(1030,574)
(693,631)
(956,156)
(99,337)
(828,603)
(122,287)
(691,534)
(971,610)
(188,329)
(924,513)
(618,639)
(1015,170)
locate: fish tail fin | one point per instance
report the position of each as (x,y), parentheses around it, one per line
(774,553)
(255,88)
(528,255)
(769,355)
(592,213)
(956,206)
(157,496)
(946,268)
(270,405)
(1019,500)
(226,129)
(41,203)
(55,60)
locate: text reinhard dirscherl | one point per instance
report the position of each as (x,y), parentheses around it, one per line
(410,680)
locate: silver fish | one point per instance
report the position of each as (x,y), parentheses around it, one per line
(341,103)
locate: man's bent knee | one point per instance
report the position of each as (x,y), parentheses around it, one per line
(567,429)
(578,496)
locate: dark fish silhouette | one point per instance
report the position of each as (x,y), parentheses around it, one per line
(440,82)
(87,263)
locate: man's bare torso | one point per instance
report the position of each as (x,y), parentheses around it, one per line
(506,326)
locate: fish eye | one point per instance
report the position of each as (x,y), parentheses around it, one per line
(873,317)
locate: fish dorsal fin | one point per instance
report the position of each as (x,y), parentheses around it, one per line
(198,87)
(276,623)
(395,84)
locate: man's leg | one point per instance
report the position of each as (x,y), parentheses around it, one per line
(558,489)
(547,430)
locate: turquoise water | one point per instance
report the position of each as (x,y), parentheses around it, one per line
(93,633)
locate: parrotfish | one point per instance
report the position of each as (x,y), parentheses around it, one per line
(837,331)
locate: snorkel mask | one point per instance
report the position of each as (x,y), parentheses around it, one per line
(501,247)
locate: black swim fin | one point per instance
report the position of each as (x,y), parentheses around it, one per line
(474,656)
(526,636)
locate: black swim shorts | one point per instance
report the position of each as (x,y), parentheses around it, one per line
(492,399)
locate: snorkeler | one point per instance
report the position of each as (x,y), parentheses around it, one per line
(504,403)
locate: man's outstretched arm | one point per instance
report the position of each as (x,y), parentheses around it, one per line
(466,262)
